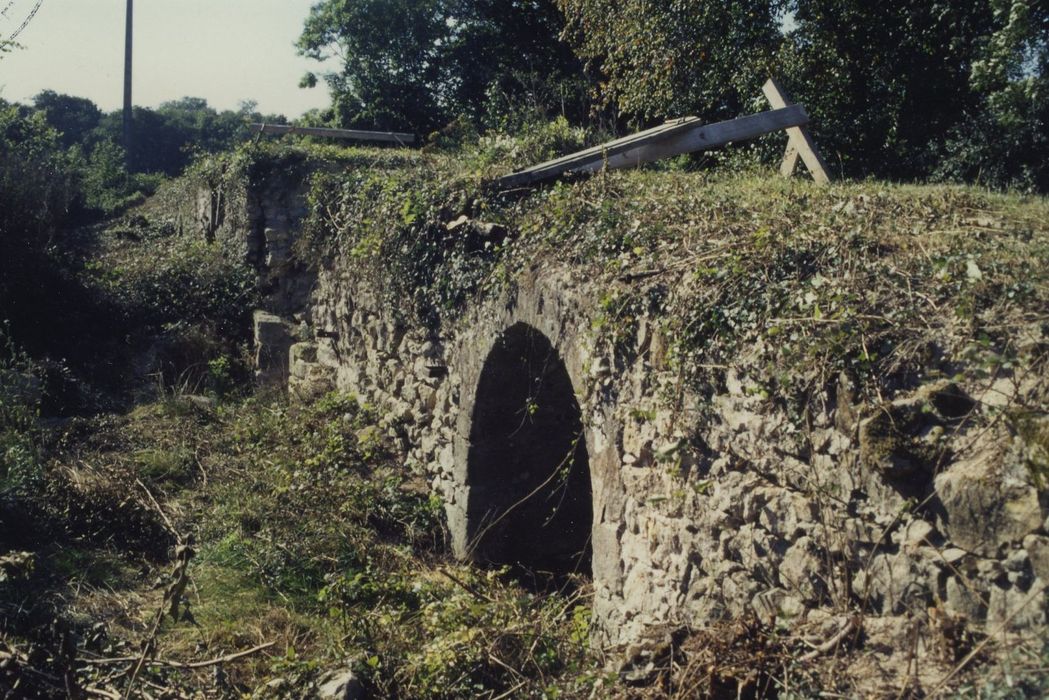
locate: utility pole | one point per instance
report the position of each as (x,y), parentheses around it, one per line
(127,84)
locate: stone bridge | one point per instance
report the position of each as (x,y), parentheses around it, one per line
(524,430)
(555,453)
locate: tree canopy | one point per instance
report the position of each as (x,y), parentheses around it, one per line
(678,57)
(74,118)
(419,64)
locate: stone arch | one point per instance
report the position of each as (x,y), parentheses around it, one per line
(530,500)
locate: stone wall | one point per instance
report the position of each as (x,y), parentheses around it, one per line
(703,507)
(256,223)
(707,508)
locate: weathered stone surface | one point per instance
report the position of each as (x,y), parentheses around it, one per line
(915,533)
(777,604)
(676,534)
(1016,607)
(894,583)
(984,506)
(800,570)
(963,597)
(341,685)
(273,339)
(1037,547)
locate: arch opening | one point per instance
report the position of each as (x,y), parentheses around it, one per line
(530,503)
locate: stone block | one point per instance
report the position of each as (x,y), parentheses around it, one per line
(799,572)
(273,341)
(303,352)
(894,584)
(777,604)
(962,598)
(915,533)
(983,508)
(1017,608)
(1037,547)
(340,685)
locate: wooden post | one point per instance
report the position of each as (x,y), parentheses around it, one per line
(799,143)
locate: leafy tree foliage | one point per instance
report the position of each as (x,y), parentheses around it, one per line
(167,137)
(37,186)
(76,147)
(418,64)
(885,81)
(671,58)
(74,118)
(38,192)
(1005,138)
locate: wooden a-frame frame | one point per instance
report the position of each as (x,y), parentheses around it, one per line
(799,142)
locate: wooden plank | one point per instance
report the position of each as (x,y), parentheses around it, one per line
(671,139)
(790,160)
(617,146)
(799,140)
(385,136)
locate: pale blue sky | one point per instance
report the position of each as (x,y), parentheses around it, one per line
(222,50)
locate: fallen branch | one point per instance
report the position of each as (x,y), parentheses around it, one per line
(180,664)
(851,625)
(160,510)
(466,587)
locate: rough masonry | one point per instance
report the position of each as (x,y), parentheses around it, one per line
(548,450)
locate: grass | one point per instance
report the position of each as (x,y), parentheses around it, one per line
(301,541)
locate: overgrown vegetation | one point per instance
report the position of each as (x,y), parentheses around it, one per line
(307,532)
(308,535)
(867,278)
(155,513)
(886,283)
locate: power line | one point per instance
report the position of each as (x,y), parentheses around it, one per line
(25,23)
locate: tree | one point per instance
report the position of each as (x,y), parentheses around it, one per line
(508,54)
(37,187)
(663,59)
(1004,139)
(388,50)
(73,117)
(886,81)
(167,137)
(417,64)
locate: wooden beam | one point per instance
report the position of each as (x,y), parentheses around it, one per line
(671,139)
(790,160)
(799,142)
(384,136)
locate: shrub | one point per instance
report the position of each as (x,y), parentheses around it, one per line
(19,408)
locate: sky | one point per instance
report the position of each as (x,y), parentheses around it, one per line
(225,51)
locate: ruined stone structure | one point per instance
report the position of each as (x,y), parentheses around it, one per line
(551,451)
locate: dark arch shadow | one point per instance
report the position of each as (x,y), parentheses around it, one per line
(530,503)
